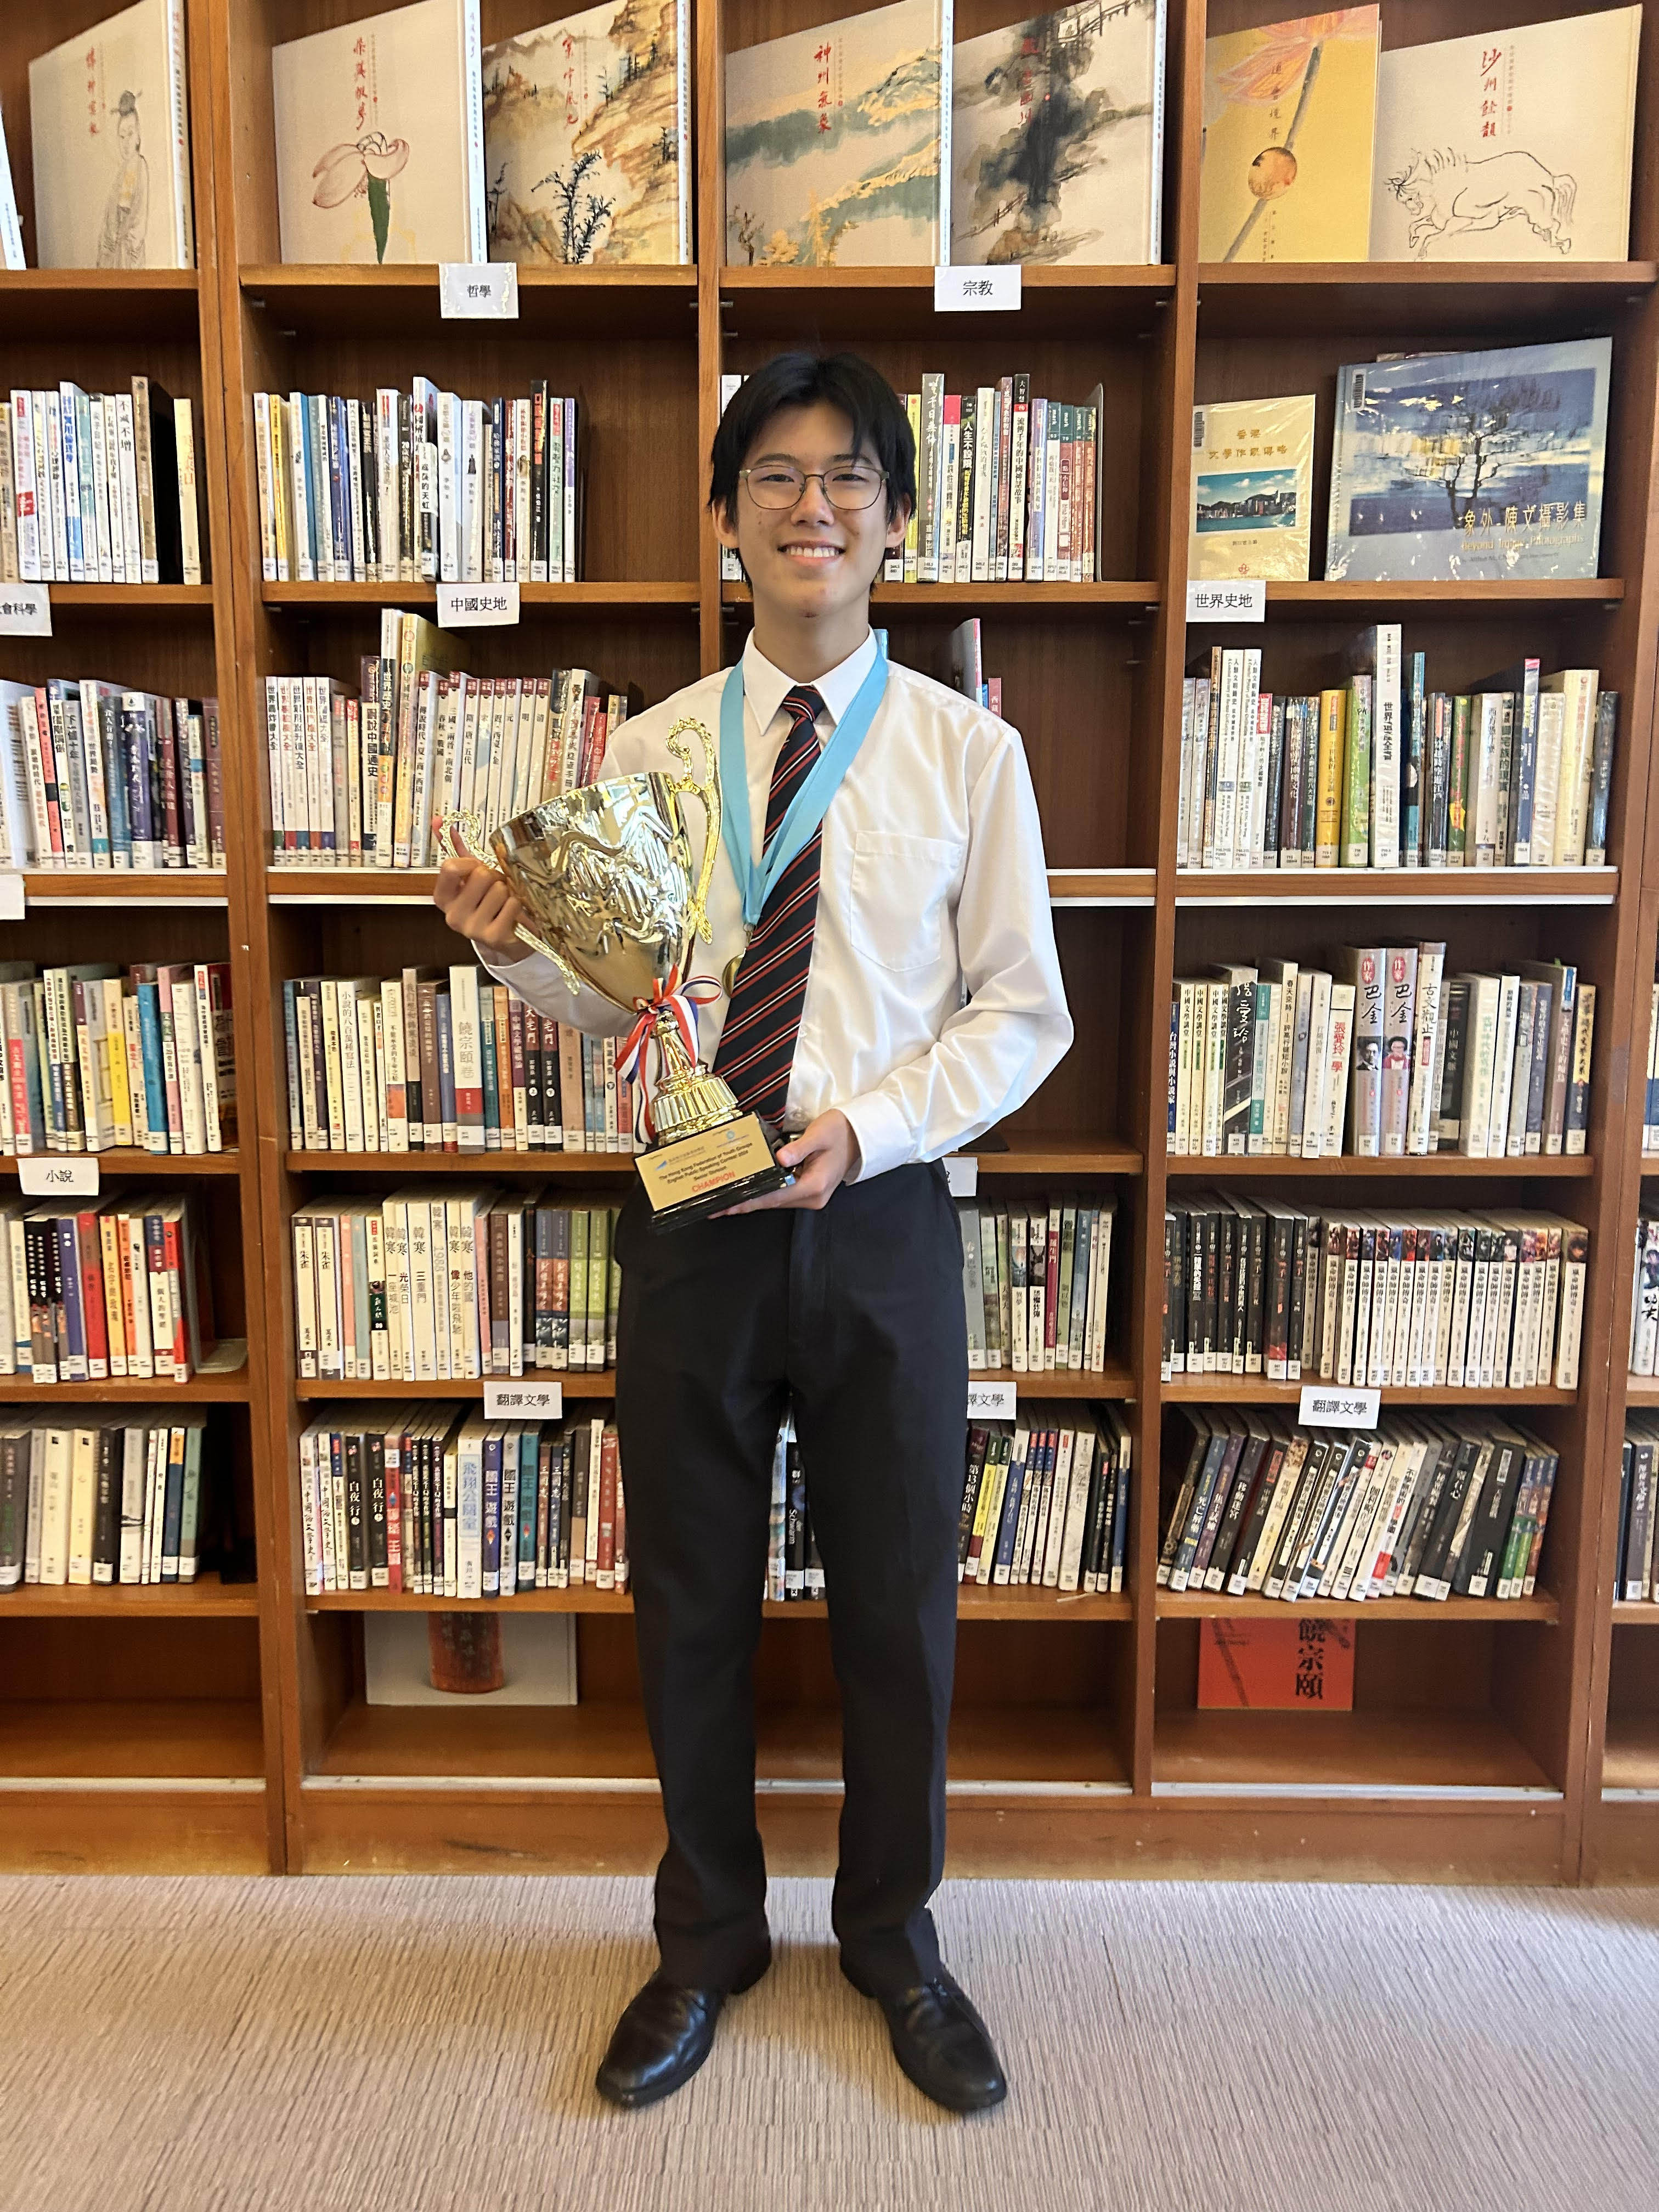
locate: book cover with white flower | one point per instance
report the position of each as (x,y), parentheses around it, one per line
(379,139)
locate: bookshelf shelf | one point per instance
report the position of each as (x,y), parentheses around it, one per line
(1634,1613)
(468,1164)
(1116,1381)
(1253,1391)
(1642,1390)
(176,1740)
(205,1599)
(628,301)
(222,1382)
(1449,1166)
(1118,887)
(642,597)
(1469,299)
(135,601)
(955,599)
(97,887)
(972,1604)
(1087,887)
(1216,1605)
(1414,598)
(898,303)
(101,303)
(1064,1155)
(600,1383)
(1420,887)
(125,1160)
(1361,1754)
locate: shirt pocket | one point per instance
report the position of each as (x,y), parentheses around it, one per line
(899,897)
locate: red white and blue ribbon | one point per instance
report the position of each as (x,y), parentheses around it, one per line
(682,1000)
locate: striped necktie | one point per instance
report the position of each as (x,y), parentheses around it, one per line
(757,1043)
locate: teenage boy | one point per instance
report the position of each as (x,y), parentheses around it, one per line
(894,993)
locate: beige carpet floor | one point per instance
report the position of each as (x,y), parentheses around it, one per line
(369,2043)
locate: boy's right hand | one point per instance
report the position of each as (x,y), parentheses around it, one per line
(478,904)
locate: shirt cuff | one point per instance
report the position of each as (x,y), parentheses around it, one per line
(885,1138)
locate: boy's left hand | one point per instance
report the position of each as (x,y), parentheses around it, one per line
(823,1156)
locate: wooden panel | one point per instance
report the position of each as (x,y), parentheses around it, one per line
(156,1831)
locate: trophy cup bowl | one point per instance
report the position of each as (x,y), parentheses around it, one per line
(605,873)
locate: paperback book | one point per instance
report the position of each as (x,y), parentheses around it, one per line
(11,230)
(110,130)
(1252,489)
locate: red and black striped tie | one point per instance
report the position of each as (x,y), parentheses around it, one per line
(757,1043)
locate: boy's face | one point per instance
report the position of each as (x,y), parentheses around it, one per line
(812,559)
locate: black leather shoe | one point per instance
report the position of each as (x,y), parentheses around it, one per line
(941,2043)
(661,2039)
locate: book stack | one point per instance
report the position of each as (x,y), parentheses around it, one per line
(98,1057)
(1635,1581)
(112,1289)
(1418,1508)
(360,781)
(1046,1502)
(107,1497)
(794,1567)
(1644,1299)
(968,667)
(1382,1055)
(1650,1092)
(437,1284)
(1380,1299)
(1379,772)
(435,1502)
(99,488)
(1037,1283)
(95,776)
(417,487)
(445,1061)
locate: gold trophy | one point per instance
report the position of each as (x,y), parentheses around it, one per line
(605,873)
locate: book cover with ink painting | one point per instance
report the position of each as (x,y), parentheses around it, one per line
(110,137)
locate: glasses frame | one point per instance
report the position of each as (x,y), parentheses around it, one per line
(819,475)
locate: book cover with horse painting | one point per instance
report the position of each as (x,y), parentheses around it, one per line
(1289,110)
(1510,146)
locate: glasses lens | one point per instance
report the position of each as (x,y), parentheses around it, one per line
(776,485)
(852,487)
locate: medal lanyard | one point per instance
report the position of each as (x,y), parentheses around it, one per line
(810,804)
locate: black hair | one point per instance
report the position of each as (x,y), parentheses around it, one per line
(844,380)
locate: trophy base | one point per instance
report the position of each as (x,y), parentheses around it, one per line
(695,1176)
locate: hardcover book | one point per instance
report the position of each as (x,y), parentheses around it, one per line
(379,139)
(1058,138)
(1453,466)
(110,140)
(1512,146)
(838,142)
(587,137)
(1289,112)
(1252,489)
(11,232)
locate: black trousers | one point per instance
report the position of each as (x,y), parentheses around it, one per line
(854,1313)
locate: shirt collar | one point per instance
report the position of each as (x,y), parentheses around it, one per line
(765,687)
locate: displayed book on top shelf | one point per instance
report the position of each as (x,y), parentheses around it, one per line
(838,142)
(11,230)
(1058,138)
(1289,111)
(1460,466)
(101,488)
(1252,512)
(107,1498)
(587,137)
(96,776)
(379,139)
(1509,145)
(109,125)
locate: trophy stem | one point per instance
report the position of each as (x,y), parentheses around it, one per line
(686,1100)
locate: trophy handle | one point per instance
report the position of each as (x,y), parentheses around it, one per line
(708,791)
(463,831)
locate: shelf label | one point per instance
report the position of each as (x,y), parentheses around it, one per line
(25,611)
(963,1170)
(478,606)
(968,290)
(990,1401)
(13,898)
(479,291)
(49,1175)
(511,1402)
(1244,598)
(1324,1407)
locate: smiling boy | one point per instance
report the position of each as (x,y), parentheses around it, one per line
(893,991)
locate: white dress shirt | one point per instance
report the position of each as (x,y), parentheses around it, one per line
(934,1004)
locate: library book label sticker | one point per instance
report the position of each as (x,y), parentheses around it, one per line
(1323,1408)
(973,291)
(513,1401)
(44,1175)
(479,291)
(13,897)
(1242,598)
(962,1170)
(478,606)
(25,611)
(990,1401)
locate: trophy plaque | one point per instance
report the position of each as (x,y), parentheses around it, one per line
(605,874)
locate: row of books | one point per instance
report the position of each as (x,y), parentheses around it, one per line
(435,1061)
(99,488)
(1036,1280)
(93,775)
(417,486)
(436,1284)
(967,672)
(1046,1502)
(1644,1299)
(1635,1581)
(1515,773)
(107,1497)
(1417,1508)
(1651,1092)
(97,1056)
(793,1566)
(112,1289)
(1374,1299)
(1382,1053)
(357,783)
(435,1501)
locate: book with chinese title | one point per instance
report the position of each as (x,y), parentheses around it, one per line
(111,142)
(1275,1665)
(1252,489)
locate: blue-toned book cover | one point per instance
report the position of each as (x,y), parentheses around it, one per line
(1459,467)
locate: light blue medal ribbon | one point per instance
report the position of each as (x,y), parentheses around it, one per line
(810,804)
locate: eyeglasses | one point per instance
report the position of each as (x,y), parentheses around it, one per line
(849,485)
